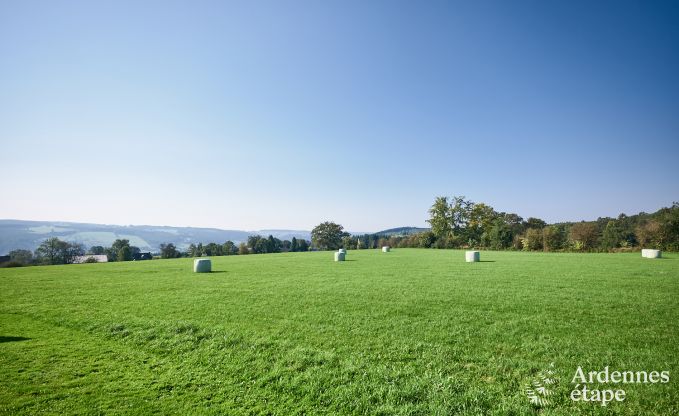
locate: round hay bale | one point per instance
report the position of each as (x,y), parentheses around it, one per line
(651,254)
(472,256)
(386,249)
(339,256)
(202,266)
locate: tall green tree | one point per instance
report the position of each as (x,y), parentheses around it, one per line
(536,223)
(481,219)
(328,236)
(120,250)
(669,218)
(460,214)
(553,238)
(252,240)
(261,246)
(169,251)
(97,250)
(514,221)
(124,254)
(500,235)
(56,251)
(213,249)
(612,236)
(273,244)
(120,243)
(50,251)
(229,248)
(440,218)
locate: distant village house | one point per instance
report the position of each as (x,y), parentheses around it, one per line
(142,256)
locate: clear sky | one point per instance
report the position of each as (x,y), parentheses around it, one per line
(252,115)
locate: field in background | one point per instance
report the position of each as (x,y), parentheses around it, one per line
(407,332)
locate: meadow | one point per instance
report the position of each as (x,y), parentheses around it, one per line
(412,332)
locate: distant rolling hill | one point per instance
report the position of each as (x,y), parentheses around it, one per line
(401,231)
(17,234)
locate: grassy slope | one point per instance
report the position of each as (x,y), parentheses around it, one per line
(406,332)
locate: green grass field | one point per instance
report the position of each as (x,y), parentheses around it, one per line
(407,332)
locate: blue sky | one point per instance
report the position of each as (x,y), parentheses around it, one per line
(253,115)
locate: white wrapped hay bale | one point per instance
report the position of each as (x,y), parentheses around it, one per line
(386,249)
(651,254)
(472,256)
(202,266)
(339,256)
(342,251)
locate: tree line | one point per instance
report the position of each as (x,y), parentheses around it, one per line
(256,244)
(55,251)
(457,222)
(50,251)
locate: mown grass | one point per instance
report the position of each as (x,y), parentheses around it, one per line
(407,332)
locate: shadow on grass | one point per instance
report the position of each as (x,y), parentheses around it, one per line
(218,271)
(486,261)
(12,339)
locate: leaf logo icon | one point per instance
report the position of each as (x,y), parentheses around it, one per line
(539,389)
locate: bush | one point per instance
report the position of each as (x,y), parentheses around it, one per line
(12,263)
(243,249)
(532,240)
(584,236)
(443,243)
(91,260)
(552,238)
